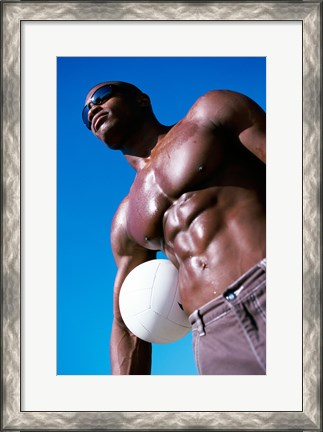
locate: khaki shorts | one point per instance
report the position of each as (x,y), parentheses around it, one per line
(229,332)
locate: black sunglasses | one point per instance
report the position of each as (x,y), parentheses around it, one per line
(99,97)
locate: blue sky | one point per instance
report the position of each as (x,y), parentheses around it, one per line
(92,180)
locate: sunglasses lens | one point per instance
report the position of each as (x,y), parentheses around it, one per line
(85,118)
(98,97)
(101,94)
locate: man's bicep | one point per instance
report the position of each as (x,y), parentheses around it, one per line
(129,354)
(240,116)
(248,121)
(254,139)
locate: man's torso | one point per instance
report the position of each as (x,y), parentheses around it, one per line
(201,199)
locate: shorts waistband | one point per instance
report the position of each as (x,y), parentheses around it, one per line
(234,293)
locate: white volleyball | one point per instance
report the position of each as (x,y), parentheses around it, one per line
(150,304)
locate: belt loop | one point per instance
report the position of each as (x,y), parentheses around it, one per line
(199,322)
(263,264)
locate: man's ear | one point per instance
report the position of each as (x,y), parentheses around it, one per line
(143,100)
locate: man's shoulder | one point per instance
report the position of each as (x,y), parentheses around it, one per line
(218,93)
(214,102)
(220,99)
(218,106)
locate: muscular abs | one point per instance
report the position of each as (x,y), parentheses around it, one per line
(201,199)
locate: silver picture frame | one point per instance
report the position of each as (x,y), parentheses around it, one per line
(12,14)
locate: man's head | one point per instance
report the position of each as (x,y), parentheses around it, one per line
(113,109)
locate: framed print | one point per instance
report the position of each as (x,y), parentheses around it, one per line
(80,352)
(61,189)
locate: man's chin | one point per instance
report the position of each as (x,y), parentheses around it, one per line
(112,144)
(108,140)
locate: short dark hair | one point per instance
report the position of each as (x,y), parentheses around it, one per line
(133,90)
(127,86)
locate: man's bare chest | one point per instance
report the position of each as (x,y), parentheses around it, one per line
(181,163)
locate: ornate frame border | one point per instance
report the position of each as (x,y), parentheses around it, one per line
(310,13)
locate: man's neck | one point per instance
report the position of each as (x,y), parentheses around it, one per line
(139,150)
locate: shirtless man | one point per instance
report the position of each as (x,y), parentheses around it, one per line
(199,196)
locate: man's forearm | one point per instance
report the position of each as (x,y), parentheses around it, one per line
(129,354)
